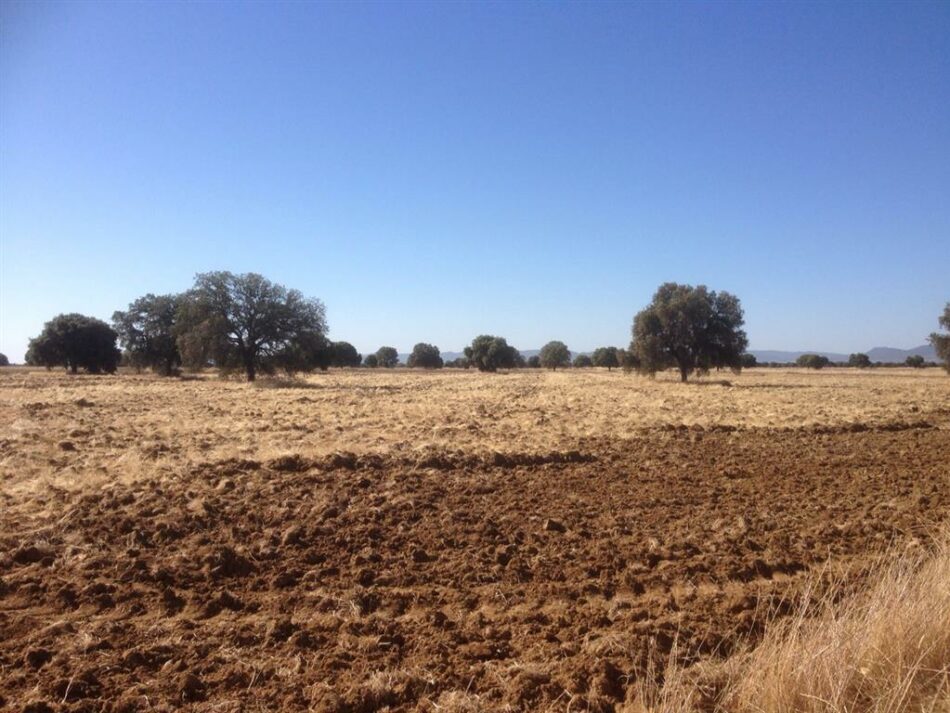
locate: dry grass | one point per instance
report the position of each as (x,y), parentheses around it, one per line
(883,650)
(125,425)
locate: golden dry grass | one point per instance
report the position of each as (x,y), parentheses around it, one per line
(123,425)
(885,649)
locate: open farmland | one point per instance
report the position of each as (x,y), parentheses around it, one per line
(435,541)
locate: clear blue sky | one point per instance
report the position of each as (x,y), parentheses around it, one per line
(435,171)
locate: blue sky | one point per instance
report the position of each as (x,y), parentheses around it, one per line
(436,171)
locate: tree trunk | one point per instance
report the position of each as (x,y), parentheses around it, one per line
(684,373)
(73,368)
(249,367)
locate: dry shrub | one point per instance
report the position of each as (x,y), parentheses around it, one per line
(884,650)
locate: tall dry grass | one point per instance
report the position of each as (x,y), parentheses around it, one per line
(883,650)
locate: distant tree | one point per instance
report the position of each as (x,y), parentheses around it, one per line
(489,353)
(248,322)
(915,360)
(425,356)
(606,357)
(812,361)
(534,362)
(344,354)
(941,342)
(859,361)
(457,363)
(629,360)
(147,330)
(371,361)
(76,342)
(387,357)
(582,361)
(555,354)
(3,360)
(691,328)
(748,361)
(519,361)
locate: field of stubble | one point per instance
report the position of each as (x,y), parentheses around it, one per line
(452,541)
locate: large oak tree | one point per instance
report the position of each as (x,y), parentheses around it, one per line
(248,322)
(490,353)
(147,332)
(693,329)
(75,341)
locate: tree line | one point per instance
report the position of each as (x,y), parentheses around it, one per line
(246,323)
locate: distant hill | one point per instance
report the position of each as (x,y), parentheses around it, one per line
(889,354)
(886,355)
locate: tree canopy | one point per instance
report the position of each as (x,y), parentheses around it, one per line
(691,328)
(425,356)
(606,357)
(859,360)
(748,361)
(583,361)
(915,360)
(387,357)
(344,354)
(490,353)
(812,361)
(75,341)
(147,331)
(4,361)
(941,342)
(371,362)
(555,354)
(248,322)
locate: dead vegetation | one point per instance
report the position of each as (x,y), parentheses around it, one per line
(880,648)
(461,542)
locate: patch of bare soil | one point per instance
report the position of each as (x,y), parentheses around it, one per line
(444,580)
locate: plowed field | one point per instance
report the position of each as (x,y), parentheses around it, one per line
(364,541)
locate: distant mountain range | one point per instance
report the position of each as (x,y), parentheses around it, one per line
(886,355)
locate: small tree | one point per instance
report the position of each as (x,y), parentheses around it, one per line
(371,361)
(248,322)
(690,328)
(583,361)
(425,356)
(3,360)
(859,361)
(534,362)
(76,342)
(345,354)
(941,342)
(490,353)
(915,360)
(812,361)
(748,361)
(606,357)
(555,354)
(387,357)
(147,330)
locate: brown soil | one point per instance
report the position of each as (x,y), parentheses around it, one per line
(442,580)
